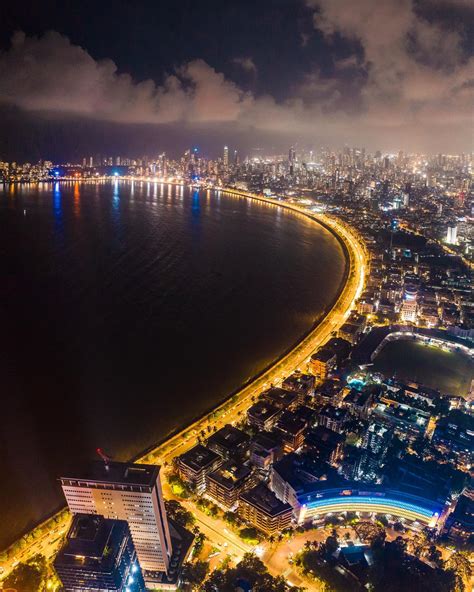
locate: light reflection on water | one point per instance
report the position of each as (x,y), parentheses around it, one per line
(131,313)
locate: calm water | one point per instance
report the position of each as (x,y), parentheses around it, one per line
(127,310)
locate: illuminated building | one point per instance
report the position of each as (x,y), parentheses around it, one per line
(229,442)
(99,555)
(280,398)
(375,446)
(350,332)
(292,160)
(263,509)
(225,159)
(452,235)
(409,308)
(333,418)
(263,415)
(196,464)
(265,450)
(321,500)
(227,483)
(131,492)
(294,473)
(460,523)
(322,362)
(301,384)
(292,429)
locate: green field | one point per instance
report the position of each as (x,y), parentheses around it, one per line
(411,360)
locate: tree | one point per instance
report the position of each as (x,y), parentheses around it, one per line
(179,514)
(434,555)
(198,543)
(398,527)
(369,532)
(460,565)
(193,574)
(250,535)
(30,576)
(178,486)
(331,545)
(231,518)
(418,544)
(252,571)
(393,570)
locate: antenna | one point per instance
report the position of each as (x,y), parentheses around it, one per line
(104,457)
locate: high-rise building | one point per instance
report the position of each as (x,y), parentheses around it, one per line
(226,157)
(131,492)
(99,554)
(375,444)
(452,235)
(292,159)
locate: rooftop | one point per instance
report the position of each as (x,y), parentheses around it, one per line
(265,500)
(300,469)
(92,541)
(324,355)
(230,475)
(290,423)
(228,437)
(119,473)
(199,457)
(263,410)
(299,381)
(279,397)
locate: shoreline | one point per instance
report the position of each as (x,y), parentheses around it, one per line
(295,355)
(153,448)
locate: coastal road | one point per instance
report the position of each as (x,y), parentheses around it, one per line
(231,412)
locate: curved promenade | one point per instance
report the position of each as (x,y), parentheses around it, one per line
(238,403)
(231,409)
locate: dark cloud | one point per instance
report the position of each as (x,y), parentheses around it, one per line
(403,80)
(247,64)
(416,69)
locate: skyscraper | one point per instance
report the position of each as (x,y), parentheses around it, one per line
(452,235)
(226,157)
(131,492)
(375,444)
(99,554)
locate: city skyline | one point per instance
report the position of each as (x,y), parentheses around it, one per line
(237,253)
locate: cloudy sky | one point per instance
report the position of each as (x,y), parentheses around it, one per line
(125,77)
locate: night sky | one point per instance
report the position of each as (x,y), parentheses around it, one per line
(135,77)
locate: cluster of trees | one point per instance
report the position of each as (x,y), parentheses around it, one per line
(209,508)
(395,566)
(34,575)
(193,574)
(57,521)
(198,542)
(250,535)
(179,514)
(251,571)
(179,487)
(394,569)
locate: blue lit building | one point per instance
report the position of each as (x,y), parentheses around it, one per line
(352,497)
(99,555)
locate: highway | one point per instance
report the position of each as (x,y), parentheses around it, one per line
(231,411)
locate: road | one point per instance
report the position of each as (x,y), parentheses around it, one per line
(230,412)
